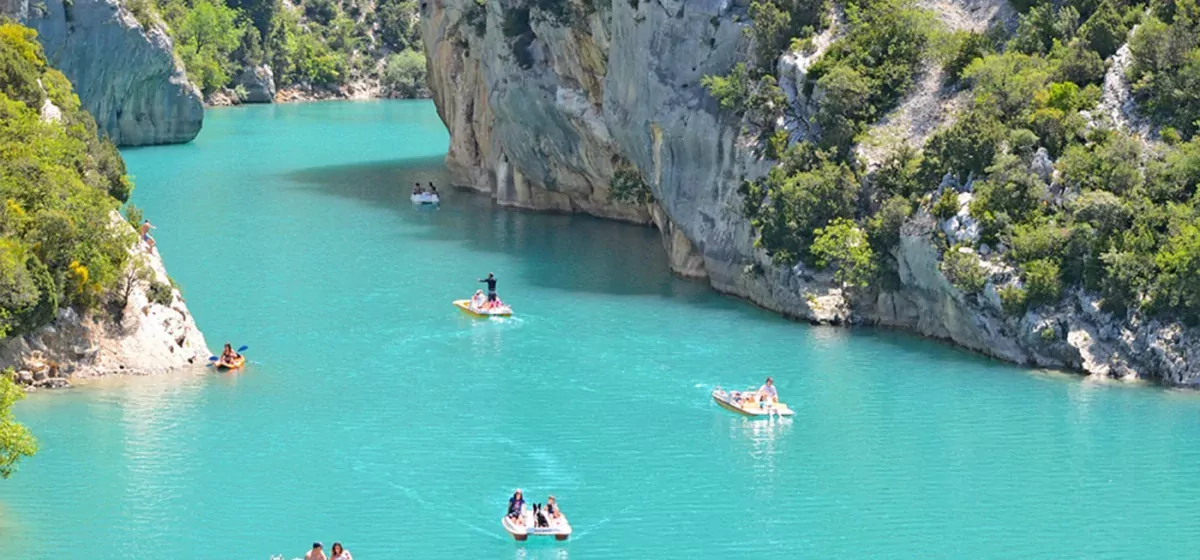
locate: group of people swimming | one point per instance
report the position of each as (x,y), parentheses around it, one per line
(336,553)
(544,515)
(418,190)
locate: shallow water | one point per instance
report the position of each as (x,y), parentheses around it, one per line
(376,414)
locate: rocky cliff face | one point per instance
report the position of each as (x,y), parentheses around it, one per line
(541,113)
(148,337)
(125,75)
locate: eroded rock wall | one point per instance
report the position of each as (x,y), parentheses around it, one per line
(126,76)
(541,116)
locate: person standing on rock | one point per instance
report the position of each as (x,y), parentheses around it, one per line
(491,283)
(144,231)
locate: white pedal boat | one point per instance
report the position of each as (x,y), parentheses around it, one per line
(522,528)
(425,198)
(742,402)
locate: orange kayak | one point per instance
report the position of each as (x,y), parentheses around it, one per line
(237,363)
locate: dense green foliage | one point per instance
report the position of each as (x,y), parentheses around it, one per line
(962,268)
(322,43)
(866,72)
(405,73)
(843,246)
(60,184)
(15,440)
(1119,217)
(1166,66)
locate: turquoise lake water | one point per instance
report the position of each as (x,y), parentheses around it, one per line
(375,414)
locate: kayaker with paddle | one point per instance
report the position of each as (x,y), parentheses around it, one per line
(491,284)
(228,355)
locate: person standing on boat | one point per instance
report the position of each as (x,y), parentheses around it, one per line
(491,284)
(516,504)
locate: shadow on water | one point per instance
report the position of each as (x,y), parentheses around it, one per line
(597,256)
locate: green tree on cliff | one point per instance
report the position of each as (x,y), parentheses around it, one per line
(207,32)
(15,440)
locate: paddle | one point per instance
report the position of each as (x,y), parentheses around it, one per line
(239,351)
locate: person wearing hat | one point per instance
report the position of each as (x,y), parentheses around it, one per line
(316,553)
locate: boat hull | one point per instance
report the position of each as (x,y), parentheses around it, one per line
(237,363)
(523,528)
(424,199)
(724,400)
(465,306)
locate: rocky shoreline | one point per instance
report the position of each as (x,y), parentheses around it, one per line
(145,336)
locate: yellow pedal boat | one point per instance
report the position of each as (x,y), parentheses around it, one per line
(498,311)
(742,403)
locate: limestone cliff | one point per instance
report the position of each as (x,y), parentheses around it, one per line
(125,75)
(542,112)
(146,335)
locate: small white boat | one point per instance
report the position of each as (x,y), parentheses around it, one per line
(745,403)
(425,198)
(521,528)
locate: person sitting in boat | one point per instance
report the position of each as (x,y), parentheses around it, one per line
(432,189)
(478,299)
(417,190)
(516,505)
(767,393)
(552,510)
(228,355)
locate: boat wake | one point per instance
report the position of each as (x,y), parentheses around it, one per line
(440,510)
